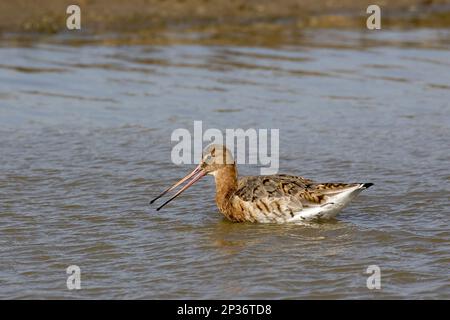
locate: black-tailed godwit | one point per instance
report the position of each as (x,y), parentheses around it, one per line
(273,198)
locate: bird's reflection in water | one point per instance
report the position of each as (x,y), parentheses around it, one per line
(233,238)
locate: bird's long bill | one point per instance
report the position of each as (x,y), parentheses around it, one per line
(194,176)
(190,175)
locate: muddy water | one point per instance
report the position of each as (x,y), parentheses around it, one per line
(85,143)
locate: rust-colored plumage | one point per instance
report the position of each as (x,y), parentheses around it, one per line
(275,198)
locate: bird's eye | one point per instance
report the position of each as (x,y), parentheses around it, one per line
(207,158)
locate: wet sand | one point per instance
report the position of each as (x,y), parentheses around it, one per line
(217,20)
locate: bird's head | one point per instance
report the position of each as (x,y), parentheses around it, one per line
(214,158)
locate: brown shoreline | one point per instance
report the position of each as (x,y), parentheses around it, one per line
(218,20)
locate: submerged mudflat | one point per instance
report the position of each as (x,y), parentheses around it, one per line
(85,143)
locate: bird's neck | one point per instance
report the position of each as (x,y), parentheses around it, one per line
(226,184)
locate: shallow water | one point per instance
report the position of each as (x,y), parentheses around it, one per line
(85,143)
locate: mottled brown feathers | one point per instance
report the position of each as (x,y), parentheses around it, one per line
(272,198)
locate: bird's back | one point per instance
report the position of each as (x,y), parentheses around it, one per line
(282,198)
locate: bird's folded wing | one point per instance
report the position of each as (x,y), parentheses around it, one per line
(285,195)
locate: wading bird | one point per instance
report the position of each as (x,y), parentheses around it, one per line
(273,198)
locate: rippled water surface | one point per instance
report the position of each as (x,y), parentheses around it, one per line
(85,143)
